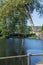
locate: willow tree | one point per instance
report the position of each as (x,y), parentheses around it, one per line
(15,12)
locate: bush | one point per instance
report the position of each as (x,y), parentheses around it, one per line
(42,32)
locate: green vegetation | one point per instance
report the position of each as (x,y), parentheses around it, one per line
(42,29)
(42,32)
(28,33)
(14,14)
(33,36)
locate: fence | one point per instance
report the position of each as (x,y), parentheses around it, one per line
(27,58)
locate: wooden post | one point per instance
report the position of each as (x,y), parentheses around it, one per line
(28,59)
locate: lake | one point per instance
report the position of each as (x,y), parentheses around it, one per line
(33,46)
(11,46)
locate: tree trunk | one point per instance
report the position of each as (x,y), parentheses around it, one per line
(29,17)
(31,22)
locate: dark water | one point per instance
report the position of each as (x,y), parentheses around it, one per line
(9,47)
(12,46)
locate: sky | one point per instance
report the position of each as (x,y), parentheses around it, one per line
(38,21)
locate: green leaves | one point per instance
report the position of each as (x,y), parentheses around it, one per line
(13,14)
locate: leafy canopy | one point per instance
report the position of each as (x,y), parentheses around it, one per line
(13,14)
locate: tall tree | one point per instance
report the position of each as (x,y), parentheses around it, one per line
(16,11)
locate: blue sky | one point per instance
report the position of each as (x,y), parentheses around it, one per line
(38,21)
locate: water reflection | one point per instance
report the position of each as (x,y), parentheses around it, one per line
(33,44)
(10,47)
(15,46)
(34,47)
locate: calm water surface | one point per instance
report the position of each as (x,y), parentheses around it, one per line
(34,47)
(11,46)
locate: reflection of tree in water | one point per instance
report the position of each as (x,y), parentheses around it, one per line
(14,47)
(19,50)
(17,46)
